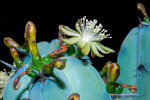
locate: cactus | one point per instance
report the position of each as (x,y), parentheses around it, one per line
(134,58)
(50,72)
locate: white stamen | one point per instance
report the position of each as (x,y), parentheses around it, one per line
(94,32)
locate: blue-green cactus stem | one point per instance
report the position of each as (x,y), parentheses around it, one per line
(72,79)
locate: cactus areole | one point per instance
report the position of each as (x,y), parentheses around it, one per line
(50,72)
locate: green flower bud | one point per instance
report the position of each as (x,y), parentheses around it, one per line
(31,73)
(110,87)
(47,59)
(118,89)
(114,88)
(36,60)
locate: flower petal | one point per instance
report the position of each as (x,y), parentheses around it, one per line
(86,49)
(78,26)
(69,29)
(81,44)
(67,32)
(99,48)
(92,54)
(106,48)
(72,40)
(95,51)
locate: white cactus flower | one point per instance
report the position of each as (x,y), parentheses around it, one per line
(87,37)
(4,77)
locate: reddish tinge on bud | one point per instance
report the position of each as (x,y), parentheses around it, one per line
(59,64)
(105,68)
(10,42)
(113,72)
(30,32)
(142,9)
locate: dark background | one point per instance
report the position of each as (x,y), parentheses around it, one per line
(118,18)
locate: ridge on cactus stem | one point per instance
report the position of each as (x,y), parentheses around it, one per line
(87,37)
(52,71)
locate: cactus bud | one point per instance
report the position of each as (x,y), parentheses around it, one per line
(48,68)
(105,68)
(118,89)
(31,38)
(142,9)
(114,88)
(110,87)
(30,32)
(59,64)
(14,53)
(10,42)
(113,72)
(47,59)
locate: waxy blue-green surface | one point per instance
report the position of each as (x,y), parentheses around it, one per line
(77,77)
(135,51)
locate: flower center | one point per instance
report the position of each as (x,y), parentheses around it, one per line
(86,38)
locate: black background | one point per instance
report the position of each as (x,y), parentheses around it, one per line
(117,17)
